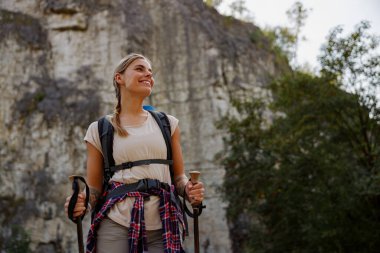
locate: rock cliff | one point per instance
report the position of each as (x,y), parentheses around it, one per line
(56,64)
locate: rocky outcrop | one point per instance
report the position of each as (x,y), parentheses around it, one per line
(57,59)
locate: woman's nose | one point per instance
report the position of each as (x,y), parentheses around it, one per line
(148,73)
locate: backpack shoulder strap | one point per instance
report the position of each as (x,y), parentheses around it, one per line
(106,133)
(164,124)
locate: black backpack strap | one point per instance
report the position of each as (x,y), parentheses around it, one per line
(128,165)
(106,132)
(164,124)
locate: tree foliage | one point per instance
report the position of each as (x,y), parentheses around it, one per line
(354,62)
(238,8)
(214,3)
(297,16)
(287,38)
(309,181)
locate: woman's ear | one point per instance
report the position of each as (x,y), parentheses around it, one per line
(118,78)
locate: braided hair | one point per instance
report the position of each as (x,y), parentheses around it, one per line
(121,67)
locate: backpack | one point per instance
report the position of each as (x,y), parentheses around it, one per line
(106,133)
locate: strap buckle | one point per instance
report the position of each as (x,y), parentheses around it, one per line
(144,185)
(153,184)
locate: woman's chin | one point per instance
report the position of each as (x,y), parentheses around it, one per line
(145,92)
(141,91)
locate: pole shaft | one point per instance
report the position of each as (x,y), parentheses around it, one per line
(196,231)
(80,235)
(194,179)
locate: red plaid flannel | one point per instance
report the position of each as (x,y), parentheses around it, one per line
(170,213)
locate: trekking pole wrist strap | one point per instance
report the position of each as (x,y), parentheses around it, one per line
(200,207)
(74,198)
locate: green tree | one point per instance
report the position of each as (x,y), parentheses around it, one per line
(282,40)
(238,8)
(297,15)
(354,62)
(286,38)
(214,3)
(309,181)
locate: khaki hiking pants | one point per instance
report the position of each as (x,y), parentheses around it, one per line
(113,237)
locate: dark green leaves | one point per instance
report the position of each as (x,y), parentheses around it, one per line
(305,177)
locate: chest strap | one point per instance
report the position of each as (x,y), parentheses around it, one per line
(128,165)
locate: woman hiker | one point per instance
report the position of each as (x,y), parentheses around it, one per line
(136,220)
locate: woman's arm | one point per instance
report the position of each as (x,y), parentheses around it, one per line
(194,192)
(94,173)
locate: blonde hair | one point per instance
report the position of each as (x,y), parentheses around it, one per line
(120,68)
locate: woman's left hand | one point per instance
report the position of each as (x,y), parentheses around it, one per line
(195,192)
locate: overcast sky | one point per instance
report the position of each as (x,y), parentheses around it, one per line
(324,15)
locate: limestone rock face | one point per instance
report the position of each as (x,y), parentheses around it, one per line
(56,65)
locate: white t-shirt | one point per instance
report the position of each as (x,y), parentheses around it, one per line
(144,141)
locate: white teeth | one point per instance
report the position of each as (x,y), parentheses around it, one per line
(146,83)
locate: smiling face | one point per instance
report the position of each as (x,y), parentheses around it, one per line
(137,79)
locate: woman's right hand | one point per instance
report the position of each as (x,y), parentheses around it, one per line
(79,208)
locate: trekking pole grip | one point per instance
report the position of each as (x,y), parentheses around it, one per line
(194,176)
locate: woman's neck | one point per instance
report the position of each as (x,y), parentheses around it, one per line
(131,106)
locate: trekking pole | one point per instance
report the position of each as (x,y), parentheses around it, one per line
(194,180)
(78,220)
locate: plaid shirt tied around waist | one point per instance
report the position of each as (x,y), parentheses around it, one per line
(170,213)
